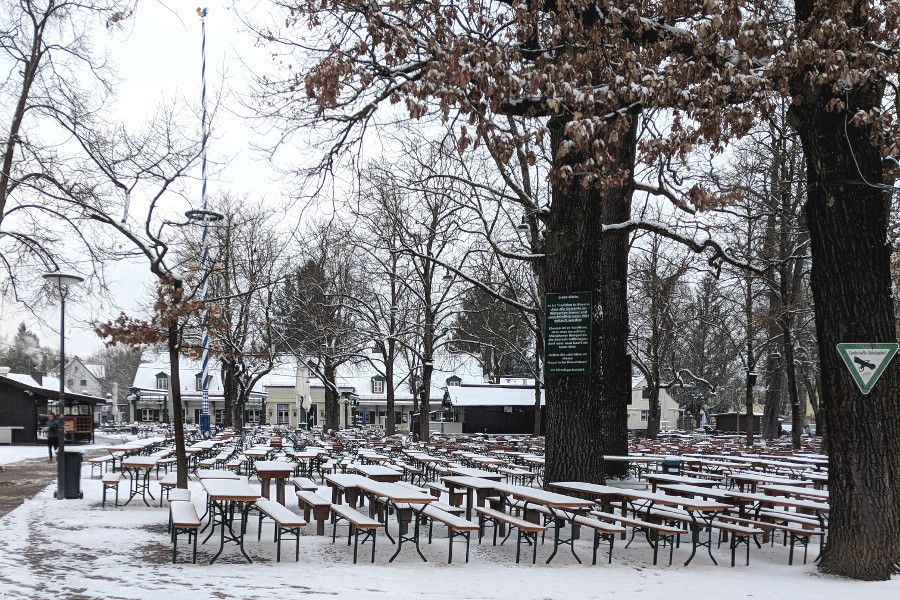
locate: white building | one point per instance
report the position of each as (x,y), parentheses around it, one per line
(149,397)
(639,408)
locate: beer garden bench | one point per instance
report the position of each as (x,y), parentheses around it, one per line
(357,522)
(184,519)
(525,529)
(320,508)
(285,522)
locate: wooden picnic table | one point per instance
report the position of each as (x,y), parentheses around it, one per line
(215,474)
(377,472)
(280,471)
(404,501)
(562,508)
(701,512)
(480,487)
(657,478)
(752,478)
(224,495)
(470,472)
(139,482)
(797,492)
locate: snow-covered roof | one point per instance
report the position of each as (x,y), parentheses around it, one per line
(492,395)
(98,371)
(358,377)
(47,382)
(154,363)
(637,382)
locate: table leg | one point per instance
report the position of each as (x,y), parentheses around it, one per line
(279,491)
(264,483)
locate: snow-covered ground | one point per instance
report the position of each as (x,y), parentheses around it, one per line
(74,548)
(13,454)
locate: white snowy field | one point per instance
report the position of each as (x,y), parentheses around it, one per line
(75,549)
(14,454)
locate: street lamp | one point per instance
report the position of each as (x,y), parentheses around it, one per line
(62,281)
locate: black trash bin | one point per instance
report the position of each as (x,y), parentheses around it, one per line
(671,465)
(134,431)
(72,474)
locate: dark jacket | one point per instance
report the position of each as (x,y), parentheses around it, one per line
(53,429)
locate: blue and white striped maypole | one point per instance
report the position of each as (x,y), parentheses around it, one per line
(205,428)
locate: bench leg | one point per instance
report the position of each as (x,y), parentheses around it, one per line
(174,546)
(518,545)
(297,549)
(612,540)
(355,542)
(103,504)
(468,538)
(195,546)
(374,533)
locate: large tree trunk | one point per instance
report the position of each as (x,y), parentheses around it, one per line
(332,398)
(748,413)
(538,347)
(587,414)
(771,427)
(181,466)
(227,394)
(425,406)
(655,414)
(390,421)
(851,284)
(790,373)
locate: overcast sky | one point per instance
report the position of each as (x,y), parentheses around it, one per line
(157,58)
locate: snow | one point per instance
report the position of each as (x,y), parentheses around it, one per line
(14,454)
(75,547)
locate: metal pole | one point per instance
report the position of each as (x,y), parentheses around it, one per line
(205,427)
(60,451)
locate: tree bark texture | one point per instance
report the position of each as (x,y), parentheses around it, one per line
(851,285)
(771,428)
(587,414)
(390,423)
(181,466)
(332,398)
(425,406)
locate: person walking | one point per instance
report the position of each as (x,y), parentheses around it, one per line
(52,434)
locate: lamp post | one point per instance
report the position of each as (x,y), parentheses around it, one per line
(62,281)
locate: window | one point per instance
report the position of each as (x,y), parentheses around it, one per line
(199,381)
(83,383)
(377,386)
(220,417)
(149,414)
(645,415)
(253,416)
(162,381)
(282,415)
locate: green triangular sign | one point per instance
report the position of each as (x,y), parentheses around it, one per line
(867,362)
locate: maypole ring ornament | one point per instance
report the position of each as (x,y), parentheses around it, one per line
(202,12)
(204,217)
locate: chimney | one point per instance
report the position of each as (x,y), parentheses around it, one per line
(37,376)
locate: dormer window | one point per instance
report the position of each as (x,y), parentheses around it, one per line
(378,384)
(453,381)
(198,378)
(162,381)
